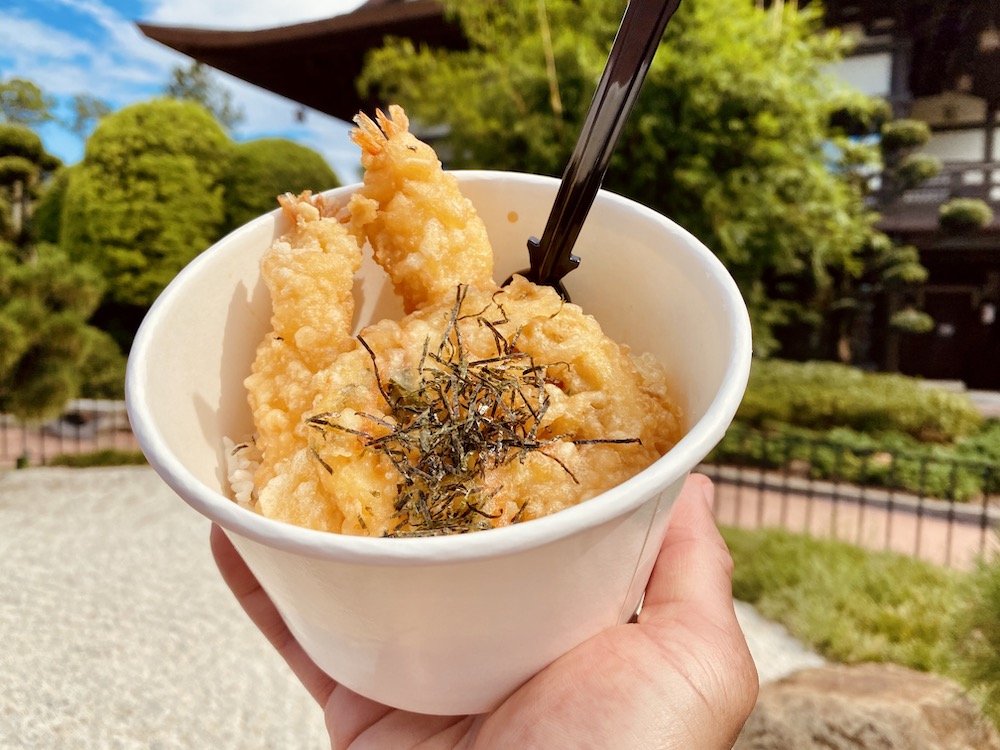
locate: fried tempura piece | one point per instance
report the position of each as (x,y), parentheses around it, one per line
(425,233)
(595,393)
(310,274)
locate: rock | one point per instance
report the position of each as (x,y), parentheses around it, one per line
(866,707)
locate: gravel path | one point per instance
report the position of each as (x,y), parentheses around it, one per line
(117,633)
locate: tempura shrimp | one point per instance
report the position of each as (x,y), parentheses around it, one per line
(424,232)
(310,274)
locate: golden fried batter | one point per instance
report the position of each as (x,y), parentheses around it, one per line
(425,233)
(310,274)
(482,407)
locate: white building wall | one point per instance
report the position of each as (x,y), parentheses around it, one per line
(957,145)
(870,74)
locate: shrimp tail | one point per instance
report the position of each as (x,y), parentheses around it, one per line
(372,136)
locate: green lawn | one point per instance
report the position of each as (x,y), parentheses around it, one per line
(855,606)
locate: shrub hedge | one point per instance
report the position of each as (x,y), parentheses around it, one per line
(826,395)
(842,424)
(892,461)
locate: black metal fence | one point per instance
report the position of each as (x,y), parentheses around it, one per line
(942,509)
(86,426)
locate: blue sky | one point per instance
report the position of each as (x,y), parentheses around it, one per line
(93,47)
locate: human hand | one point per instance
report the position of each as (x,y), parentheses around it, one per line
(681,677)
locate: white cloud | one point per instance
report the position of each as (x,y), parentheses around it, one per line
(113,61)
(24,40)
(244,14)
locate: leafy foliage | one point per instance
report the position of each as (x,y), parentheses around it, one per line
(46,218)
(147,197)
(872,429)
(881,265)
(912,321)
(19,141)
(916,168)
(263,169)
(23,103)
(729,137)
(85,112)
(901,135)
(892,461)
(45,301)
(16,168)
(48,351)
(197,84)
(24,164)
(102,370)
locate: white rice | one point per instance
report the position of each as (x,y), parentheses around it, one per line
(242,460)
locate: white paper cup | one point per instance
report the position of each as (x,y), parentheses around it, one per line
(448,625)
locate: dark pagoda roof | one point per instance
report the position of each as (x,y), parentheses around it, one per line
(314,63)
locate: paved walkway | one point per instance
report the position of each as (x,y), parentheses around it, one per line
(116,632)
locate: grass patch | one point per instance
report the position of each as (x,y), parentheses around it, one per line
(105,457)
(854,606)
(978,639)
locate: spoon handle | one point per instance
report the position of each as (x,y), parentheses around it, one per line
(631,54)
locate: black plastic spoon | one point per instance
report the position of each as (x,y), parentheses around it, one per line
(635,44)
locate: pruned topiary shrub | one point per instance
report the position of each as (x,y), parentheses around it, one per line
(964,215)
(904,134)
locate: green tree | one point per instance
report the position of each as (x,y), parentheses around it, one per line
(734,135)
(46,344)
(46,218)
(881,162)
(85,112)
(48,351)
(196,83)
(263,169)
(146,199)
(24,103)
(963,215)
(903,165)
(24,163)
